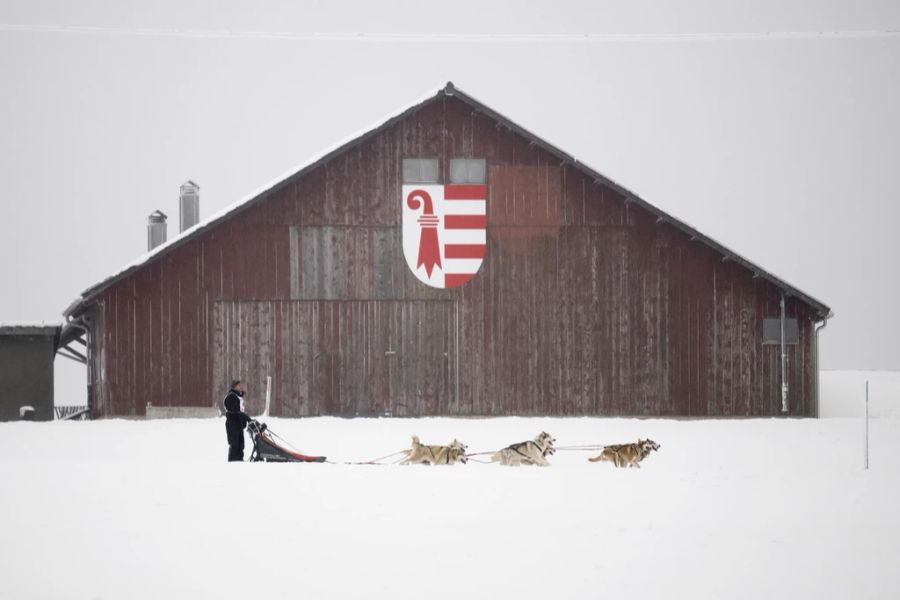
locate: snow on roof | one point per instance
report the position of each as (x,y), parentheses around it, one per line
(221,214)
(29,327)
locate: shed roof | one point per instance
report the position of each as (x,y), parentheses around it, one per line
(47,329)
(822,310)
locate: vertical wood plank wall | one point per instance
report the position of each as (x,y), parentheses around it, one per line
(585,304)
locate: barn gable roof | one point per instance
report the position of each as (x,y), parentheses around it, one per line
(348,143)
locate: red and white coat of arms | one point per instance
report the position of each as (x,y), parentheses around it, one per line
(444,235)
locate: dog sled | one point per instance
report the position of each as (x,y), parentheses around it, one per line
(268,447)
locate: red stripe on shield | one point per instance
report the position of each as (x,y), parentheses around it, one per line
(464,251)
(465,192)
(465,221)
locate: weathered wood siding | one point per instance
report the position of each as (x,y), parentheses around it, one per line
(342,357)
(585,304)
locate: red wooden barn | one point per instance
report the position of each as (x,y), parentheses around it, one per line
(449,262)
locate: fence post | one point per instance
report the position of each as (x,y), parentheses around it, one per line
(268,394)
(867,424)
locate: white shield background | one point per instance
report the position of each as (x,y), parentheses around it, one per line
(466,236)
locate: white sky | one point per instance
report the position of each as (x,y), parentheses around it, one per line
(785,150)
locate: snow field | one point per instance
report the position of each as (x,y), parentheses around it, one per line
(766,508)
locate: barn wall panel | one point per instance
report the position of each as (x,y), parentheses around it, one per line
(585,304)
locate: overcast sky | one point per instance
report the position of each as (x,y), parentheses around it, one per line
(785,148)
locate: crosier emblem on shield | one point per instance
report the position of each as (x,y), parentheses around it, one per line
(444,234)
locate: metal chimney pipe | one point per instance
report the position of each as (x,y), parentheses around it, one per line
(156,229)
(188,205)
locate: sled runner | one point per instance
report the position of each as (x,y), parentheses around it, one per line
(268,447)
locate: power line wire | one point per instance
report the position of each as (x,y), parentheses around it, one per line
(454,37)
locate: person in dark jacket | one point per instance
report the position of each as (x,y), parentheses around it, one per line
(235,421)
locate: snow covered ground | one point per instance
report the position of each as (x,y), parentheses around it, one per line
(764,508)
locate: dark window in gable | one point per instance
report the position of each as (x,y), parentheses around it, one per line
(420,170)
(468,170)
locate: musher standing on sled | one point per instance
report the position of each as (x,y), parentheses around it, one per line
(235,421)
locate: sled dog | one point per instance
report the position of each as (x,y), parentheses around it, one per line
(435,455)
(532,452)
(627,455)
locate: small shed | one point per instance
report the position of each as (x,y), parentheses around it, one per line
(27,351)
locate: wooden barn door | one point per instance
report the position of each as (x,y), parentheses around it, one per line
(421,357)
(340,357)
(245,338)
